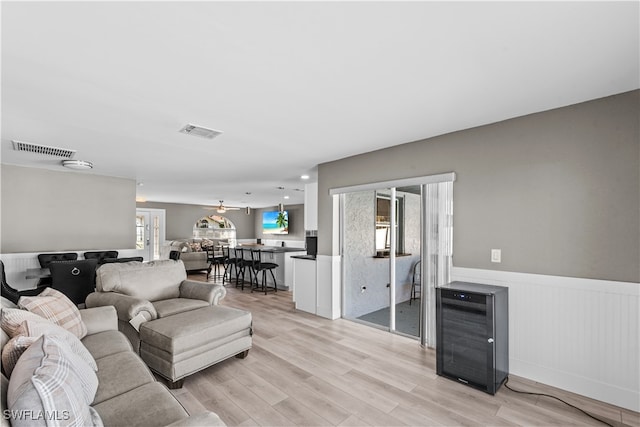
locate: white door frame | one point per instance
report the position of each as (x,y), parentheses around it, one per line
(152,240)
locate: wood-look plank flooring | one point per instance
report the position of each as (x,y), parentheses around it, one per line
(305,370)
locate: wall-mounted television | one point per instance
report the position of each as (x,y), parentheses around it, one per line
(275,222)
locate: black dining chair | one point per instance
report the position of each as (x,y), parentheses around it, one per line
(76,279)
(101,255)
(46,259)
(257,265)
(123,259)
(13,294)
(416,283)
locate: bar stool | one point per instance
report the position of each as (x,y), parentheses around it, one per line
(215,262)
(230,263)
(243,264)
(258,266)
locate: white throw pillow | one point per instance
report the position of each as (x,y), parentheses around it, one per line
(49,379)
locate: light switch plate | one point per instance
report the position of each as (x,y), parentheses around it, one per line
(496,255)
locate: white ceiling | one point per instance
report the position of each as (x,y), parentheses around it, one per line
(291,84)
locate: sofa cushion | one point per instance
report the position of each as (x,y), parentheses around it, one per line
(106,343)
(55,306)
(152,281)
(50,379)
(119,373)
(4,385)
(148,405)
(172,306)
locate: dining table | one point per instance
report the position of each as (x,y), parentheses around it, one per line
(37,273)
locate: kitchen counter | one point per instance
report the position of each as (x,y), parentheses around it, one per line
(273,249)
(309,257)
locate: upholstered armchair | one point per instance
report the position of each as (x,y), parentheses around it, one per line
(176,325)
(143,292)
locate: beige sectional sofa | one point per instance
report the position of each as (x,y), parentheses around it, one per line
(192,253)
(127,393)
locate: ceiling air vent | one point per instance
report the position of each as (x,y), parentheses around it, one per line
(200,131)
(43,149)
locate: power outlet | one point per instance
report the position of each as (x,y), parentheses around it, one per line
(496,255)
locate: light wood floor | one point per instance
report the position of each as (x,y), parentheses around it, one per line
(309,371)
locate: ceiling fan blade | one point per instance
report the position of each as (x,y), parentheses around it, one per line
(221,208)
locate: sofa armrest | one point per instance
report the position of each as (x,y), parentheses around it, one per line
(127,307)
(197,420)
(100,319)
(210,292)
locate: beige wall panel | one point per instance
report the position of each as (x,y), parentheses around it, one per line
(49,211)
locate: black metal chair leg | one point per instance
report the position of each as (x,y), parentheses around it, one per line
(275,285)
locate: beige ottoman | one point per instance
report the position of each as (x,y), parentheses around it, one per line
(179,345)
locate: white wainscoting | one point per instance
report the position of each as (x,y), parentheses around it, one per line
(328,287)
(580,335)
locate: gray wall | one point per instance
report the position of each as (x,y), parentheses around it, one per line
(557,191)
(180,219)
(45,210)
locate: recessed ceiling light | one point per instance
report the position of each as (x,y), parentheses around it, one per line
(304,177)
(286,197)
(77,164)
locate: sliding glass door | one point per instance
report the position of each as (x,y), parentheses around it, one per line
(381,249)
(396,247)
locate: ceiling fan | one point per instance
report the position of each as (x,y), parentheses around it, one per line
(221,208)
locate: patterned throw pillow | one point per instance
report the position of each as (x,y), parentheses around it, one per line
(29,331)
(12,351)
(55,306)
(12,318)
(50,378)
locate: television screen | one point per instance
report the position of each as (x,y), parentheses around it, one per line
(275,222)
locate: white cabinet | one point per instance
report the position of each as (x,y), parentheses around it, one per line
(288,268)
(304,284)
(284,271)
(311,206)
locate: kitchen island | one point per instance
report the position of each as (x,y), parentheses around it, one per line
(280,255)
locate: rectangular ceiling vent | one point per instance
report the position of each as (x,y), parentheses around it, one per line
(43,149)
(200,131)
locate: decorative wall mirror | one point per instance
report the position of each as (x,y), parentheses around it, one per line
(214,227)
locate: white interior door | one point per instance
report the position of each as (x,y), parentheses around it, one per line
(150,232)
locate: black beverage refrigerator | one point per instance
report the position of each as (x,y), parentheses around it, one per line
(472,334)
